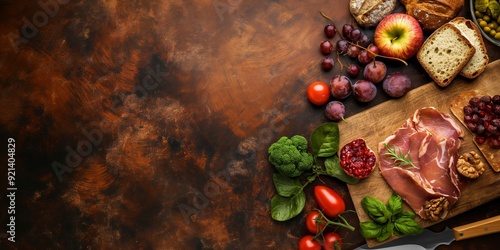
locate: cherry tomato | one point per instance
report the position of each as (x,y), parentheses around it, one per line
(312,222)
(332,241)
(308,243)
(318,93)
(330,202)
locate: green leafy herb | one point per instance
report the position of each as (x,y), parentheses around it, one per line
(333,168)
(399,158)
(376,209)
(286,186)
(395,204)
(387,220)
(285,208)
(407,226)
(481,5)
(370,229)
(325,139)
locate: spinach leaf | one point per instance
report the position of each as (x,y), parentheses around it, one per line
(333,168)
(369,229)
(286,186)
(376,209)
(407,226)
(325,139)
(395,204)
(285,208)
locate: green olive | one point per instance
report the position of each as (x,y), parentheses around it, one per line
(498,29)
(493,25)
(486,18)
(487,29)
(497,36)
(498,19)
(493,33)
(483,24)
(478,13)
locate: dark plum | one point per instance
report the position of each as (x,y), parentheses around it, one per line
(340,87)
(396,84)
(335,111)
(364,91)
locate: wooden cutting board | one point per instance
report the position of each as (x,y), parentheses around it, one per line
(377,123)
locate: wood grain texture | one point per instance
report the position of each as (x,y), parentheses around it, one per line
(381,121)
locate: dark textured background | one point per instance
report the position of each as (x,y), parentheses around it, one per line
(187,96)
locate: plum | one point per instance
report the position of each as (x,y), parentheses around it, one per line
(364,91)
(375,72)
(396,84)
(335,111)
(340,87)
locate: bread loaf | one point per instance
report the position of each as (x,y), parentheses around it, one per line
(431,14)
(445,52)
(479,60)
(369,13)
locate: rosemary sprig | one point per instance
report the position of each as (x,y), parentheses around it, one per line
(399,158)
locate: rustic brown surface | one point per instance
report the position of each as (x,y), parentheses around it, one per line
(187,96)
(475,193)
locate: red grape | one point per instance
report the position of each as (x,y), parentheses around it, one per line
(353,51)
(326,47)
(364,41)
(353,70)
(364,57)
(330,30)
(342,46)
(364,91)
(327,64)
(346,30)
(355,35)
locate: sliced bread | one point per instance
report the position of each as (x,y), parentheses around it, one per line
(444,53)
(479,60)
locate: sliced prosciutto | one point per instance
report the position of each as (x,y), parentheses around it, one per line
(431,139)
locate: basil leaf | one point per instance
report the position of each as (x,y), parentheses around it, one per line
(325,139)
(406,214)
(369,229)
(286,186)
(333,168)
(376,209)
(384,234)
(395,204)
(407,226)
(285,208)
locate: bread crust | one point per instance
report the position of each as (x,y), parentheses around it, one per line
(369,13)
(432,14)
(481,52)
(432,71)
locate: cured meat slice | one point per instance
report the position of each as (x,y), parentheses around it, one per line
(431,139)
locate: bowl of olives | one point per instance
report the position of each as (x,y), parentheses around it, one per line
(486,15)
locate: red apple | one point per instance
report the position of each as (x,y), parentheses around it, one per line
(398,35)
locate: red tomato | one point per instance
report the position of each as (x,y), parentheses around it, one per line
(318,93)
(308,243)
(312,224)
(332,241)
(330,202)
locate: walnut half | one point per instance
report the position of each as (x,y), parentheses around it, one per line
(470,165)
(436,208)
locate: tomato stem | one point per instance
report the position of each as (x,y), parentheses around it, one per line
(343,223)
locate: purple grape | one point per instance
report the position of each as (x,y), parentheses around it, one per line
(353,51)
(364,41)
(355,35)
(342,46)
(346,30)
(353,70)
(327,64)
(330,30)
(326,47)
(375,72)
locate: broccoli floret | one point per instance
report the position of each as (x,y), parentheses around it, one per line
(289,156)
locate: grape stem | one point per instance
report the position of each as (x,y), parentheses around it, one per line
(361,47)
